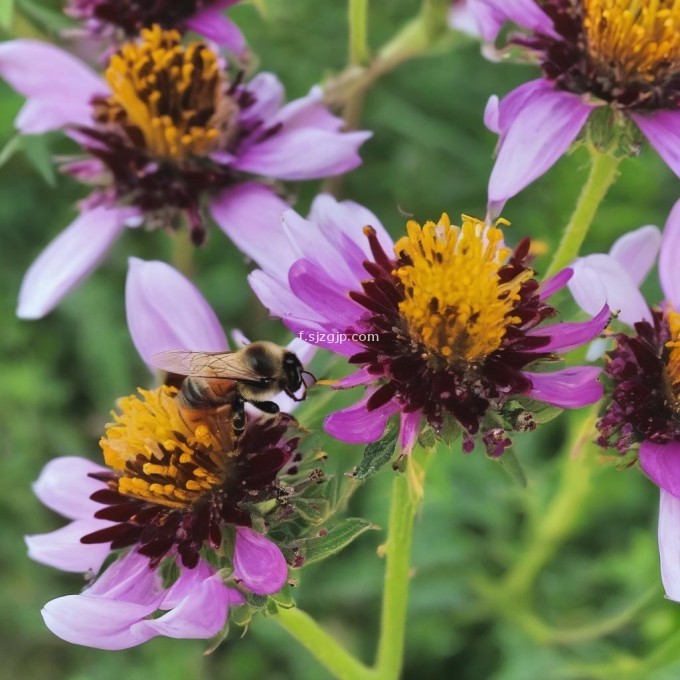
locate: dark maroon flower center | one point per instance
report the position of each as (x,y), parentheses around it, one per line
(437,384)
(627,53)
(642,404)
(250,478)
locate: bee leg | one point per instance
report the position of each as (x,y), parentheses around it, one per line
(238,420)
(266,406)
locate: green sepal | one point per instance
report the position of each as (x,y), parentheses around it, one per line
(331,541)
(378,454)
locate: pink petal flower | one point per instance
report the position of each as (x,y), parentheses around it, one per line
(636,252)
(258,563)
(662,129)
(600,279)
(569,388)
(166,311)
(409,430)
(568,335)
(64,486)
(357,425)
(669,544)
(63,550)
(303,153)
(57,85)
(211,23)
(268,93)
(491,15)
(661,463)
(250,215)
(68,260)
(669,270)
(555,283)
(538,125)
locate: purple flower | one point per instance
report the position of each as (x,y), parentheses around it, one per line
(468,349)
(114,20)
(163,145)
(630,62)
(643,369)
(170,493)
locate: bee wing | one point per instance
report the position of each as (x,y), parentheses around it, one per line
(224,365)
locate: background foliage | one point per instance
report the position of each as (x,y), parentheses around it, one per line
(60,377)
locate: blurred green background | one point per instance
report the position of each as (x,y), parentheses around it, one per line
(430,153)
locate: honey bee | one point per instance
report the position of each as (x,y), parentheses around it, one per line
(218,382)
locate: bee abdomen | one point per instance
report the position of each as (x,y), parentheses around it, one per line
(195,393)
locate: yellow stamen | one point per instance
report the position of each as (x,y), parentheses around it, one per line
(639,39)
(175,96)
(673,362)
(455,302)
(161,456)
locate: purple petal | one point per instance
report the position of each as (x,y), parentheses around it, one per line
(258,563)
(313,245)
(360,377)
(307,112)
(327,337)
(166,311)
(282,302)
(198,602)
(600,279)
(409,430)
(303,153)
(669,271)
(250,215)
(342,220)
(64,486)
(661,463)
(315,288)
(636,252)
(492,14)
(492,115)
(356,425)
(58,86)
(662,129)
(532,143)
(95,622)
(555,283)
(211,23)
(267,92)
(68,260)
(567,336)
(63,550)
(669,544)
(569,388)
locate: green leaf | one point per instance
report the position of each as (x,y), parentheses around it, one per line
(377,454)
(510,463)
(12,146)
(6,13)
(51,20)
(333,540)
(38,154)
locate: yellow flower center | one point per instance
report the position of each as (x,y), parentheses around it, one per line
(673,362)
(637,39)
(161,456)
(455,301)
(175,96)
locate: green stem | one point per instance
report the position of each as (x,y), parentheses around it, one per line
(358,32)
(403,508)
(183,251)
(603,172)
(321,645)
(561,516)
